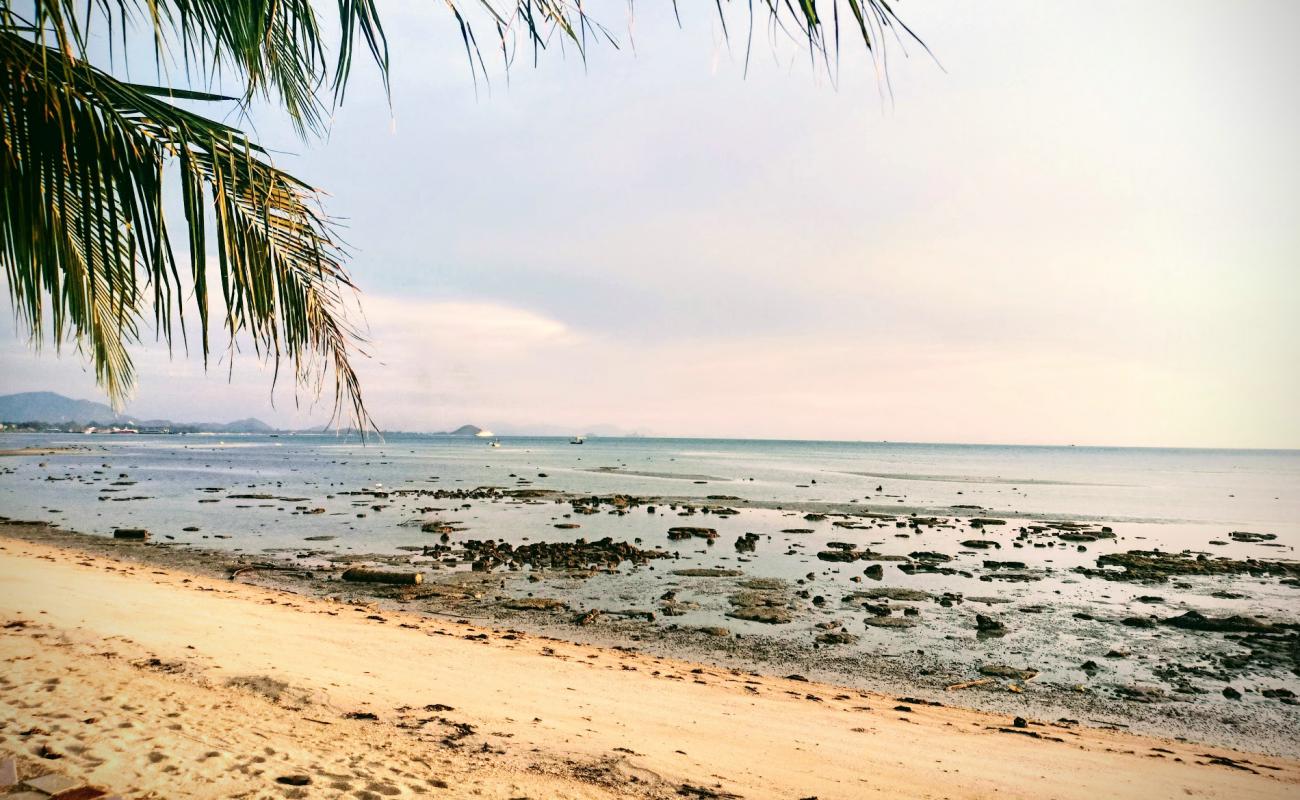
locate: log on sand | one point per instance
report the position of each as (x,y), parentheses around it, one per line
(382,576)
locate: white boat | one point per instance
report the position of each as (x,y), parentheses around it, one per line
(578,440)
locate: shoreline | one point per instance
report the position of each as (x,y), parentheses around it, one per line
(482,598)
(514,713)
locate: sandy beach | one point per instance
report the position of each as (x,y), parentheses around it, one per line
(161,683)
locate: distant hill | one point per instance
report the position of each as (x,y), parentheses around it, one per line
(249,425)
(463,430)
(55,409)
(51,407)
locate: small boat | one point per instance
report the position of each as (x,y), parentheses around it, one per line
(494,443)
(578,440)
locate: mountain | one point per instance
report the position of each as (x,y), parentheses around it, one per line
(55,409)
(51,407)
(249,425)
(463,430)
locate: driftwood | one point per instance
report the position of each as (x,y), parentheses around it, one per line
(970,684)
(244,569)
(133,534)
(382,576)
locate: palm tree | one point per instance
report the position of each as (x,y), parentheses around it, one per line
(87,158)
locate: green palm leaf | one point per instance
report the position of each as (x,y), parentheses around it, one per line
(86,158)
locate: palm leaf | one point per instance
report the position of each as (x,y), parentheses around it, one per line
(84,238)
(84,162)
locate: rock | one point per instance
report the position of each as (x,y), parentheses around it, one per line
(833,638)
(131,534)
(713,630)
(930,555)
(535,604)
(1246,536)
(1140,694)
(1019,722)
(837,555)
(684,532)
(1138,622)
(1090,666)
(677,608)
(981,544)
(1157,567)
(1231,693)
(770,615)
(579,554)
(898,593)
(1004,565)
(707,572)
(874,572)
(986,624)
(891,622)
(1004,671)
(1196,621)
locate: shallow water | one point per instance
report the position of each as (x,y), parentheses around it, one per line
(1172,500)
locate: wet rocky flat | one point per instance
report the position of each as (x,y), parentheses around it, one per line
(1188,628)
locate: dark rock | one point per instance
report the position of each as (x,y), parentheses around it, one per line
(1246,536)
(683,532)
(1138,622)
(1004,671)
(1196,621)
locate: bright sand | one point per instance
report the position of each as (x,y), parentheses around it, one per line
(126,670)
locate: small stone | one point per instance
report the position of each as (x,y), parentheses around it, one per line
(8,773)
(1020,722)
(1231,693)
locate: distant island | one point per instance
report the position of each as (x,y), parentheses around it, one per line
(465,430)
(35,412)
(49,411)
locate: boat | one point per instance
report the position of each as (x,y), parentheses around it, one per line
(578,440)
(494,443)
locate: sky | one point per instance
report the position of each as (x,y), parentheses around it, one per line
(1078,222)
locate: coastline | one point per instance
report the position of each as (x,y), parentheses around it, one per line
(488,710)
(505,599)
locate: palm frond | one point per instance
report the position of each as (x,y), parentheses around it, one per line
(85,157)
(275,48)
(86,244)
(538,23)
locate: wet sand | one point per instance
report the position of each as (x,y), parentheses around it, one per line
(162,682)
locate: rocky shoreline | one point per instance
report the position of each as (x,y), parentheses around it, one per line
(550,588)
